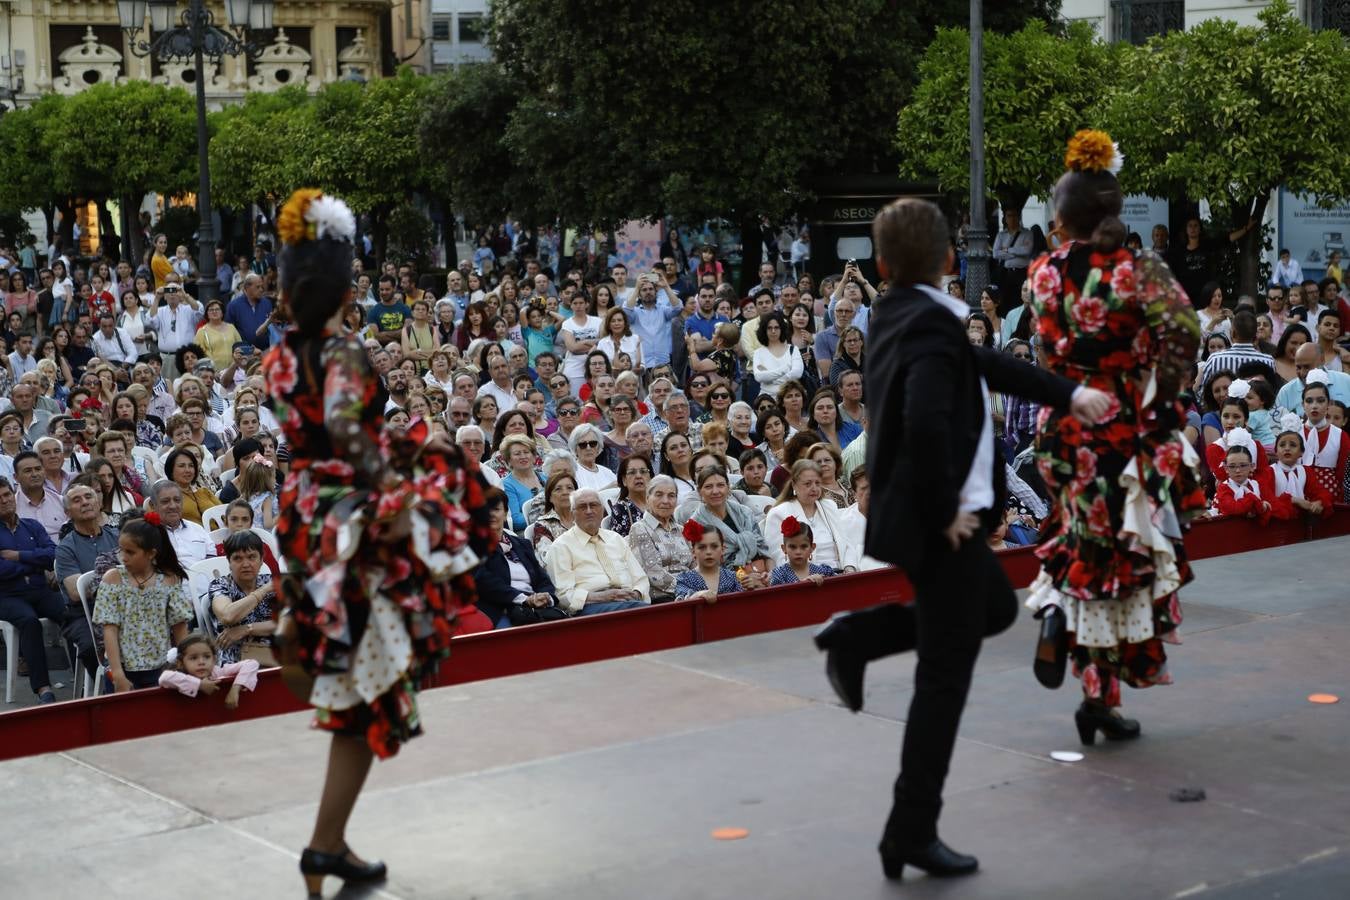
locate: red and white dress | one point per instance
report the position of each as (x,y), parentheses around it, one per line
(1293,483)
(1245,500)
(1216,455)
(1326,452)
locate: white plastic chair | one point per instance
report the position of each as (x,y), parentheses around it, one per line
(214,517)
(759,504)
(148,464)
(84,586)
(608,495)
(200,576)
(12,653)
(227,476)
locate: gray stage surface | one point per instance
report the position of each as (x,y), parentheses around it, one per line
(606,780)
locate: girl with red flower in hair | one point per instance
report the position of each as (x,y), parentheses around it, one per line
(375,524)
(798,545)
(709,578)
(1118,321)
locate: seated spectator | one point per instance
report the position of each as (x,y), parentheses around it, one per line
(826,422)
(52,455)
(34,499)
(592,568)
(471,440)
(258,487)
(27,555)
(554,461)
(802,500)
(754,469)
(523,481)
(245,450)
(622,414)
(239,517)
(796,448)
(116,501)
(709,578)
(515,422)
(831,481)
(657,540)
(242,601)
(116,449)
(740,429)
(556,519)
(586,442)
(183,469)
(716,438)
(78,552)
(772,430)
(855,517)
(634,473)
(142,605)
(641,441)
(513,588)
(191,543)
(677,462)
(798,546)
(744,544)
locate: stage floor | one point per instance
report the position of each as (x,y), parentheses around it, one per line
(606,780)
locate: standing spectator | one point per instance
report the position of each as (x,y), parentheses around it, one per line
(650,309)
(250,313)
(1012,250)
(142,605)
(26,557)
(1287,270)
(776,361)
(176,315)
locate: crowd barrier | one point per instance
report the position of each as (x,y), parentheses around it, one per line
(515,651)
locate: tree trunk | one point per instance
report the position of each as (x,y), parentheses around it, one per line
(67,229)
(107,228)
(1249,248)
(49,213)
(379,229)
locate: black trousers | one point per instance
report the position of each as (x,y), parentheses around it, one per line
(22,607)
(963,596)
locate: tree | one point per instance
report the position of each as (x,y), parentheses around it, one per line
(253,155)
(690,109)
(1037,86)
(31,180)
(152,148)
(1229,113)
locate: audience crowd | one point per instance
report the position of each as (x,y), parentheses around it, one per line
(648,436)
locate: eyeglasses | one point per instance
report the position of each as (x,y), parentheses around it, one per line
(699,384)
(557,384)
(587,445)
(570,411)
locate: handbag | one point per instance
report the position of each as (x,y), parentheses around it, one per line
(259,651)
(524,614)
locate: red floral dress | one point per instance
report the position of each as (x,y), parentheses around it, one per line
(1113,558)
(372,617)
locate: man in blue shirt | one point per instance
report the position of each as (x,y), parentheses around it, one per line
(389,314)
(250,312)
(704,321)
(26,595)
(224,273)
(649,318)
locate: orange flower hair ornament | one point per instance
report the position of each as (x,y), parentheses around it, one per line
(791,527)
(311,214)
(1093,151)
(693,531)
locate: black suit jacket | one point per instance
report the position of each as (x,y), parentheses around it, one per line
(926,406)
(493,577)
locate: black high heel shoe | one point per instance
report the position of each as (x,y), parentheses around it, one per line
(1091,718)
(844,666)
(936,859)
(315,865)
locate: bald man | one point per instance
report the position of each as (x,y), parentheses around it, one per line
(1307,358)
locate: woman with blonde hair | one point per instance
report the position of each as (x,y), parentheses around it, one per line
(801,498)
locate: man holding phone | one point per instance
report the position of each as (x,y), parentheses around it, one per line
(176,315)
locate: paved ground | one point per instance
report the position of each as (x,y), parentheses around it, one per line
(605,781)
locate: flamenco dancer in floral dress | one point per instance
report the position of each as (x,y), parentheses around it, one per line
(378,528)
(1113,560)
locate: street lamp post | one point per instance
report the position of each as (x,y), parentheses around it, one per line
(977,236)
(196,38)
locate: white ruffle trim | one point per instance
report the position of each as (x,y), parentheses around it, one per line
(1147,528)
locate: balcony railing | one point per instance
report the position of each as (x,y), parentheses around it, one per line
(1136,21)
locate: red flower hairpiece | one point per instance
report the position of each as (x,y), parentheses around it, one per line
(153,518)
(91,403)
(693,531)
(791,527)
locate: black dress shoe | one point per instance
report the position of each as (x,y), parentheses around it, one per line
(844,665)
(1052,648)
(937,859)
(1091,718)
(315,865)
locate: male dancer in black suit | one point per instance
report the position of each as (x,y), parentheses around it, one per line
(937,489)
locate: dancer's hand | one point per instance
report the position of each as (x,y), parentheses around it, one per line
(1089,405)
(962,527)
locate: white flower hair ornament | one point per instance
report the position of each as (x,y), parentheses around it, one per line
(172,656)
(1239,389)
(1317,376)
(332,218)
(1241,437)
(1290,422)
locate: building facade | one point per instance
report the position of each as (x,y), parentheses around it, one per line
(55,45)
(1138,20)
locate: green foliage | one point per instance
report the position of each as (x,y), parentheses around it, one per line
(153,146)
(30,179)
(248,163)
(1227,113)
(179,225)
(410,235)
(1038,86)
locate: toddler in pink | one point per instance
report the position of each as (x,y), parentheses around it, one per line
(195,670)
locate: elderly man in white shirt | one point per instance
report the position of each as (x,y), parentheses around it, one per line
(190,541)
(499,387)
(473,442)
(113,344)
(593,569)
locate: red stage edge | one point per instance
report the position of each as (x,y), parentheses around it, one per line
(516,651)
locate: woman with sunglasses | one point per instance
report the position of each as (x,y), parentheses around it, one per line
(586,442)
(720,399)
(699,385)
